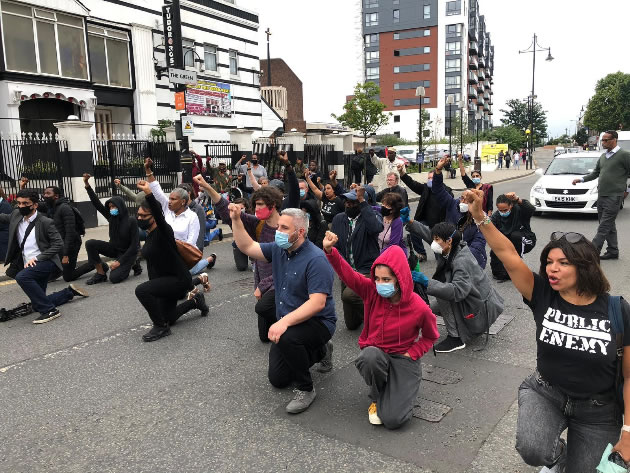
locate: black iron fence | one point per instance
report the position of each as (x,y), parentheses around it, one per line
(267,154)
(220,152)
(322,155)
(124,160)
(42,159)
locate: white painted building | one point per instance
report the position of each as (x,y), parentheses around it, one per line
(97,59)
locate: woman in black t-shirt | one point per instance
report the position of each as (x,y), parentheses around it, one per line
(331,204)
(573,386)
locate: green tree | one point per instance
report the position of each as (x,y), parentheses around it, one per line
(609,108)
(364,112)
(391,140)
(426,128)
(514,137)
(581,137)
(517,115)
(159,131)
(456,132)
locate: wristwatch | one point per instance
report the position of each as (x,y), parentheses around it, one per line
(625,428)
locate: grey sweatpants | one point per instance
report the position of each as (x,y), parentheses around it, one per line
(607,210)
(394,382)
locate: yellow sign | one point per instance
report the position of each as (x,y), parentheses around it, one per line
(492,150)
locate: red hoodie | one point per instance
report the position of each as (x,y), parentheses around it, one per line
(392,328)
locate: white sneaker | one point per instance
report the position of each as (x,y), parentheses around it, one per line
(373,415)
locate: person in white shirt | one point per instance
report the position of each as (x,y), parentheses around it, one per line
(385,166)
(33,254)
(183,221)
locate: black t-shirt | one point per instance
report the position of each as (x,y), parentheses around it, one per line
(576,344)
(330,208)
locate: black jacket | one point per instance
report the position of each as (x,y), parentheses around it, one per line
(123,229)
(364,238)
(317,225)
(429,209)
(65,223)
(394,190)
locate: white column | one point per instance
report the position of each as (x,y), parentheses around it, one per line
(242,138)
(337,141)
(145,100)
(298,140)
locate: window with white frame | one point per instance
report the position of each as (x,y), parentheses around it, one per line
(453,65)
(453,7)
(188,46)
(233,62)
(371,19)
(45,42)
(427,12)
(456,98)
(396,16)
(453,31)
(427,32)
(453,82)
(210,57)
(371,40)
(427,49)
(453,47)
(371,56)
(109,56)
(371,73)
(371,3)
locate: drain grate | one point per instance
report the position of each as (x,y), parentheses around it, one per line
(438,375)
(430,411)
(502,321)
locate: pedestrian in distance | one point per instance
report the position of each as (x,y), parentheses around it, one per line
(579,330)
(358,229)
(512,218)
(33,256)
(123,243)
(169,278)
(500,159)
(390,347)
(305,309)
(385,166)
(357,166)
(517,160)
(612,170)
(508,160)
(474,182)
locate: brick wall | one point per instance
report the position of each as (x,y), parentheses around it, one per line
(282,75)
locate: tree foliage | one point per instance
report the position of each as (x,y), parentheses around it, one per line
(391,140)
(609,108)
(364,113)
(456,131)
(581,137)
(517,116)
(159,131)
(514,137)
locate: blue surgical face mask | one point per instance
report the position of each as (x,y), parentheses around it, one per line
(282,240)
(505,214)
(302,193)
(113,212)
(430,183)
(476,180)
(386,289)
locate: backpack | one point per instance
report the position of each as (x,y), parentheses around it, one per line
(616,321)
(357,163)
(79,223)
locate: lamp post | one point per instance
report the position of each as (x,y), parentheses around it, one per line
(420,94)
(449,101)
(533,48)
(268,33)
(461,127)
(477,159)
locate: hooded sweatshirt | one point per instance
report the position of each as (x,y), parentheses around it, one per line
(391,327)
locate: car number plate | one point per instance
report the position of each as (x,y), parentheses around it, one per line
(565,198)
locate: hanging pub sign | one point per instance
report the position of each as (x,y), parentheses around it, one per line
(173,35)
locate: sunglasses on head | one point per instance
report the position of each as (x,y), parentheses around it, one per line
(571,237)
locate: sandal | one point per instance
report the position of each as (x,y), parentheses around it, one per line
(214,260)
(191,295)
(203,277)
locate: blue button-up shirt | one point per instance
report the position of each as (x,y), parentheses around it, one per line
(299,274)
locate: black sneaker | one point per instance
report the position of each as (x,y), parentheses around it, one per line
(137,268)
(200,301)
(449,344)
(326,365)
(156,333)
(96,279)
(220,234)
(47,317)
(78,291)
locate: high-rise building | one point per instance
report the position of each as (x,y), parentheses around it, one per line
(442,46)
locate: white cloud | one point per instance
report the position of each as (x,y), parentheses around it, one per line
(320,41)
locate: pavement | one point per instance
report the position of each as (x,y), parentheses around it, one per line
(84,394)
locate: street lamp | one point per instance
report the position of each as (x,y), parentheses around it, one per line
(420,93)
(449,101)
(477,119)
(462,104)
(533,48)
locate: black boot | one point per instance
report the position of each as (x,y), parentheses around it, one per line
(200,301)
(156,333)
(137,268)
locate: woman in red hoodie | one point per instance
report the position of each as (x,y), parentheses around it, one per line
(393,315)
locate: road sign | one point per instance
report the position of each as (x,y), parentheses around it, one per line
(180,101)
(188,127)
(180,76)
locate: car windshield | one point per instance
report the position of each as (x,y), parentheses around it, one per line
(580,166)
(624,144)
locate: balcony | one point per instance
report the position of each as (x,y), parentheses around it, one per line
(472,47)
(480,101)
(480,88)
(277,98)
(472,27)
(472,107)
(481,74)
(486,85)
(482,61)
(486,96)
(472,93)
(486,107)
(472,63)
(491,92)
(472,77)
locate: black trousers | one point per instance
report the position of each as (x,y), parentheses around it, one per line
(299,348)
(159,297)
(520,244)
(70,270)
(240,259)
(96,248)
(356,175)
(266,310)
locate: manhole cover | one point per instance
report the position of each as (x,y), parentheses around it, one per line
(430,411)
(502,321)
(247,283)
(438,375)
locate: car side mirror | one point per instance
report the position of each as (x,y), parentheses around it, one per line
(540,172)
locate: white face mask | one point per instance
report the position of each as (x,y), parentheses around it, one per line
(463,207)
(435,246)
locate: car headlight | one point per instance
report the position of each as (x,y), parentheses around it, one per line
(539,189)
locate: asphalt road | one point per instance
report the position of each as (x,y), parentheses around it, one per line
(85,394)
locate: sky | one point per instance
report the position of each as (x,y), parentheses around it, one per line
(320,41)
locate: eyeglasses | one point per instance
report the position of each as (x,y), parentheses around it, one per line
(571,237)
(608,139)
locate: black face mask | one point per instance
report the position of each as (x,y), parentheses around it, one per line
(353,212)
(24,211)
(385,212)
(254,162)
(144,224)
(50,201)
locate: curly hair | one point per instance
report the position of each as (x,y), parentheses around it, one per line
(270,196)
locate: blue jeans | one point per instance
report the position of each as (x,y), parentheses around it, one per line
(34,281)
(199,267)
(544,412)
(209,236)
